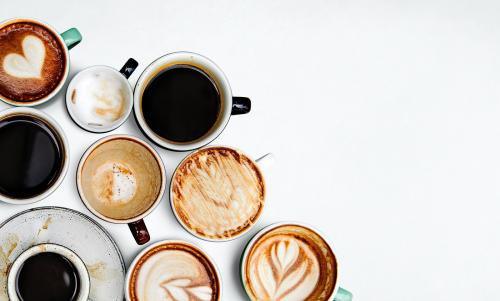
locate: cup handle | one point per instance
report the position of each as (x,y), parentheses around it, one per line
(139,231)
(129,67)
(71,37)
(241,105)
(266,161)
(343,295)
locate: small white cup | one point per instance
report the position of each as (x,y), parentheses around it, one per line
(230,105)
(121,76)
(83,274)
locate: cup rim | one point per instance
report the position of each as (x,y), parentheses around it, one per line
(118,122)
(95,145)
(78,263)
(190,231)
(144,79)
(163,242)
(270,227)
(66,67)
(53,125)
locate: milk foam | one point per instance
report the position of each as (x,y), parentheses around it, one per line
(28,65)
(115,183)
(99,97)
(173,275)
(284,269)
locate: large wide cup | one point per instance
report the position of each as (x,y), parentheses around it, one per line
(293,260)
(230,105)
(62,143)
(68,39)
(121,179)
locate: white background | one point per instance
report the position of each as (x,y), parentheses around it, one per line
(383,116)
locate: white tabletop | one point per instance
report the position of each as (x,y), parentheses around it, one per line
(383,116)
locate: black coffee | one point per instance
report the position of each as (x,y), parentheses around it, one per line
(181,104)
(31,156)
(47,277)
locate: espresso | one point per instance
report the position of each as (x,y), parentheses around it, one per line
(31,156)
(181,104)
(47,277)
(32,61)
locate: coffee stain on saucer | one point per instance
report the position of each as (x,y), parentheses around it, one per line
(100,271)
(45,225)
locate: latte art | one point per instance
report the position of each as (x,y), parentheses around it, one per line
(28,65)
(174,272)
(32,61)
(287,264)
(218,193)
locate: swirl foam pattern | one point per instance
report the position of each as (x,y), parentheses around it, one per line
(290,263)
(174,272)
(218,192)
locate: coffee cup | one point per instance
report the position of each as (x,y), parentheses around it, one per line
(99,98)
(291,261)
(173,268)
(48,272)
(121,179)
(34,60)
(217,193)
(183,101)
(31,143)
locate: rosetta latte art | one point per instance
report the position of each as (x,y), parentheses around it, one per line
(285,269)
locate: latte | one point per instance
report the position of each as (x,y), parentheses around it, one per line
(173,271)
(120,179)
(32,61)
(289,262)
(217,193)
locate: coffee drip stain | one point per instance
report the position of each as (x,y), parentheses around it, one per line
(101,272)
(73,96)
(45,225)
(6,250)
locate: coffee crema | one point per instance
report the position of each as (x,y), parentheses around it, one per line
(174,271)
(121,179)
(32,61)
(218,193)
(290,262)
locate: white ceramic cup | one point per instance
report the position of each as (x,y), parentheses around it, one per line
(338,293)
(121,76)
(83,274)
(68,39)
(263,163)
(230,105)
(58,131)
(128,277)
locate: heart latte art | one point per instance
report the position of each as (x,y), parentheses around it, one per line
(174,272)
(218,193)
(290,263)
(28,65)
(32,61)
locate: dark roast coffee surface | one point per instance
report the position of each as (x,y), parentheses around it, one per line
(47,277)
(30,157)
(181,104)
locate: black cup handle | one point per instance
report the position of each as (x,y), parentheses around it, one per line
(129,67)
(241,105)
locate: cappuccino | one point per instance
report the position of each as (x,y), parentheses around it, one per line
(173,270)
(289,262)
(217,193)
(32,61)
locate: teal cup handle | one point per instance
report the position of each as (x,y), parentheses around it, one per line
(71,37)
(343,295)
